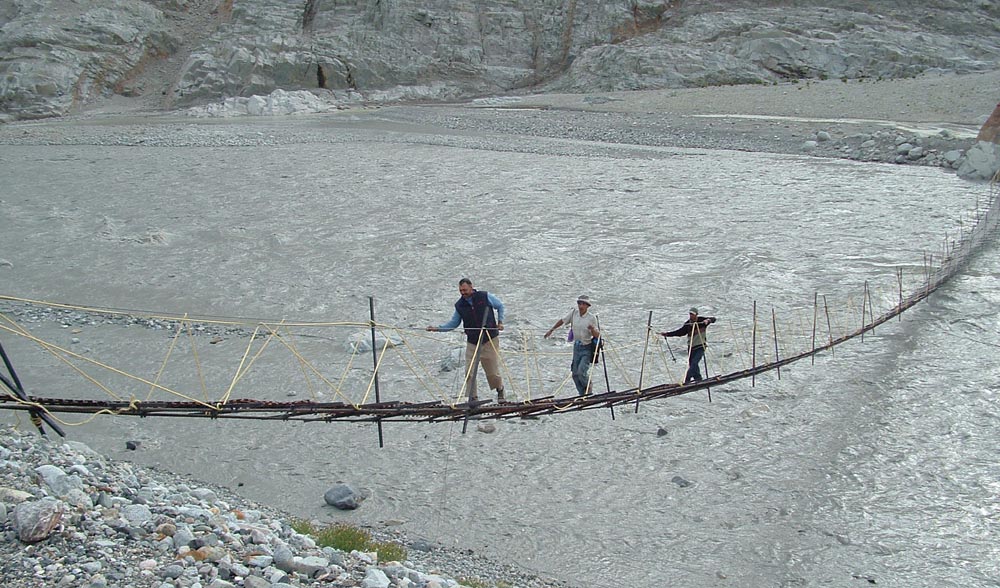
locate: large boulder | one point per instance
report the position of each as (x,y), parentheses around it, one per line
(345,497)
(35,521)
(982,162)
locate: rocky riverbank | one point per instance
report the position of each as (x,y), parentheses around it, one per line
(930,120)
(71,517)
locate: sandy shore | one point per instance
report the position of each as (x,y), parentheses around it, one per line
(965,100)
(859,120)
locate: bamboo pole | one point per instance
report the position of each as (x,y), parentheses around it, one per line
(871,307)
(864,295)
(829,324)
(604,363)
(815,315)
(774,327)
(642,366)
(753,347)
(899,284)
(371,322)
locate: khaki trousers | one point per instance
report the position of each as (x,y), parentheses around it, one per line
(487,356)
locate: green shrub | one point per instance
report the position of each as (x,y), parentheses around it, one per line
(474,582)
(302,527)
(388,551)
(348,538)
(344,538)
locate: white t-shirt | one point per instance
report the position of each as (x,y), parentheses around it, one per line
(580,323)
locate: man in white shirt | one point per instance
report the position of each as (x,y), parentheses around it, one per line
(583,322)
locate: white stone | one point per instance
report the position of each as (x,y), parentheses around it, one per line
(375,578)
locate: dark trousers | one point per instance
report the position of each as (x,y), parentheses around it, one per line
(581,367)
(694,361)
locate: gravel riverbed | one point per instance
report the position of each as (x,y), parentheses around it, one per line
(71,517)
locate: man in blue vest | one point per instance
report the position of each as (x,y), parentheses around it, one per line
(481,315)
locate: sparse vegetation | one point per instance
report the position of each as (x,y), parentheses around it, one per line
(474,582)
(349,538)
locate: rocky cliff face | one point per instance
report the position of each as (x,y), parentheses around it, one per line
(56,56)
(765,42)
(394,49)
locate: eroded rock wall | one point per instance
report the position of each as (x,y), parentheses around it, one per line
(54,55)
(57,55)
(399,48)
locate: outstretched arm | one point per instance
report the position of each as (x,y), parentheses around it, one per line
(684,330)
(558,324)
(456,319)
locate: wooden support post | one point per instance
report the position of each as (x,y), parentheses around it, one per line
(864,295)
(927,272)
(753,347)
(604,363)
(642,366)
(37,417)
(704,360)
(774,327)
(371,322)
(899,283)
(871,307)
(829,325)
(815,315)
(527,362)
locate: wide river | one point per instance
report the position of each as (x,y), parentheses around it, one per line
(876,464)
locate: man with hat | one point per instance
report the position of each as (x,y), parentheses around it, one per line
(583,323)
(694,328)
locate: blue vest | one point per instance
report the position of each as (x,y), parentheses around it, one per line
(476,316)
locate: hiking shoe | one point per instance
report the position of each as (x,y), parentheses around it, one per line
(500,396)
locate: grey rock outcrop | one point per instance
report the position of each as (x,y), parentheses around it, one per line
(393,50)
(757,44)
(982,161)
(58,56)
